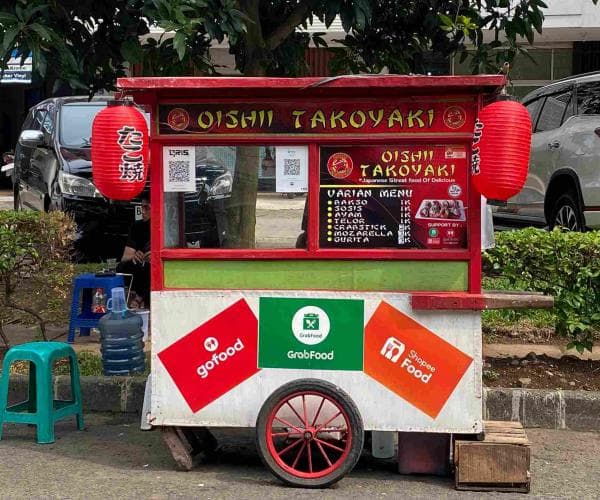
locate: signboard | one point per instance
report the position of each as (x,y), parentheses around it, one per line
(393,196)
(291,169)
(358,116)
(412,361)
(179,165)
(320,334)
(215,357)
(16,72)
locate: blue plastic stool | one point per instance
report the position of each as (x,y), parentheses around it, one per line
(41,409)
(82,316)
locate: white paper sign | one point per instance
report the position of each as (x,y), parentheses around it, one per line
(291,169)
(179,169)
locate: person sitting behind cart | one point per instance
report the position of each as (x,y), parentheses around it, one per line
(136,257)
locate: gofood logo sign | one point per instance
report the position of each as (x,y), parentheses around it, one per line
(215,357)
(211,344)
(324,334)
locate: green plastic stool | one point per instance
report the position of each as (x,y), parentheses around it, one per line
(41,409)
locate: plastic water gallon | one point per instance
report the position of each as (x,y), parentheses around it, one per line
(121,337)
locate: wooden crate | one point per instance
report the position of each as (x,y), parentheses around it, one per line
(500,462)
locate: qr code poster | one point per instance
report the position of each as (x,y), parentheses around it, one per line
(179,167)
(291,169)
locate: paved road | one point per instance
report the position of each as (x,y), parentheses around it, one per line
(6,199)
(113,459)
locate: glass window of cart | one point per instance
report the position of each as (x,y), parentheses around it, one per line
(235,196)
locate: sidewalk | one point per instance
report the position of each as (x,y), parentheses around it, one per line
(113,459)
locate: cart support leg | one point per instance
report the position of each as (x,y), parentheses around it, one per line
(189,445)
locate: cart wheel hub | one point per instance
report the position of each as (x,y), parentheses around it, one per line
(308,435)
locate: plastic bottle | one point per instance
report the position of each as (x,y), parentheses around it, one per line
(121,336)
(99,301)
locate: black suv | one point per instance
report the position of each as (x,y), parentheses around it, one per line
(53,171)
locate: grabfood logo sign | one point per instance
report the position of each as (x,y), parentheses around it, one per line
(311,326)
(310,333)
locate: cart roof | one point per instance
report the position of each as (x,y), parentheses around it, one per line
(367,85)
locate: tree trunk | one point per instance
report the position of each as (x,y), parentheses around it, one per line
(3,335)
(241,211)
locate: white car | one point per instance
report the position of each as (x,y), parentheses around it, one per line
(563,185)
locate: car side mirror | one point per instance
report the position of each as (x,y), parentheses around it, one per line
(31,138)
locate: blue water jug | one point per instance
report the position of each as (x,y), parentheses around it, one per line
(121,337)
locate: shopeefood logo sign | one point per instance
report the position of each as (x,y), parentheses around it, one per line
(215,357)
(319,334)
(411,360)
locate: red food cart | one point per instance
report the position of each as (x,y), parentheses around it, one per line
(316,263)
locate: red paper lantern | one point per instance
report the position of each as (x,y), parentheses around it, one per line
(501,145)
(120,152)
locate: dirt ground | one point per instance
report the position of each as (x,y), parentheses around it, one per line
(543,372)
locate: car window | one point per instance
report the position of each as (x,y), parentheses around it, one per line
(533,108)
(76,123)
(570,109)
(588,98)
(38,119)
(48,123)
(553,111)
(28,121)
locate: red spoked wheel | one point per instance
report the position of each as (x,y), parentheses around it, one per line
(309,433)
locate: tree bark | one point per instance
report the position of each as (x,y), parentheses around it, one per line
(255,49)
(242,204)
(241,211)
(3,335)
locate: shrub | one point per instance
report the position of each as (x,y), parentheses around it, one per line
(34,247)
(563,264)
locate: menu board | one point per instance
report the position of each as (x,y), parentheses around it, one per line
(404,196)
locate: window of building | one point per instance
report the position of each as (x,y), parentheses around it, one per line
(539,67)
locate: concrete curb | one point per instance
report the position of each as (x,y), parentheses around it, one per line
(548,409)
(100,394)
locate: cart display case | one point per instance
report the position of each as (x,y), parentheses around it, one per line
(352,306)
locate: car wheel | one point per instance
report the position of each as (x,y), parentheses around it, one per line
(566,214)
(309,433)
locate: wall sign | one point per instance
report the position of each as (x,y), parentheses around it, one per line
(355,116)
(17,70)
(393,196)
(319,334)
